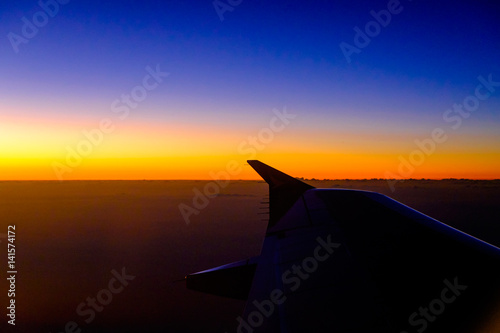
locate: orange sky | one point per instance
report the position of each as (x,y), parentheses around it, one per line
(320,166)
(52,149)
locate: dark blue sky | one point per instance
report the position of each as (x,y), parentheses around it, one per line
(291,44)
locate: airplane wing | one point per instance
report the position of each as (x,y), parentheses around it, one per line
(337,260)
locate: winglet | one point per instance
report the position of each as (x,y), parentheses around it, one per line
(284,190)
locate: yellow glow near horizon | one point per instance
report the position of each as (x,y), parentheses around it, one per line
(319,166)
(142,150)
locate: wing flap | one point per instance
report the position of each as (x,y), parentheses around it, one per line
(232,280)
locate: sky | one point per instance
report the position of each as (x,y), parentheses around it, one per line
(193,89)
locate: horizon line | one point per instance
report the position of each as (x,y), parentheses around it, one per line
(259,179)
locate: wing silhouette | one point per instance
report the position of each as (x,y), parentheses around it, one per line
(337,260)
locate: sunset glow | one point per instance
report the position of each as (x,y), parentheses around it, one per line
(178,100)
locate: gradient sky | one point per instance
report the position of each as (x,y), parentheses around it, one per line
(228,79)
